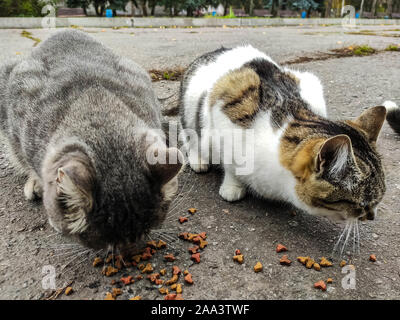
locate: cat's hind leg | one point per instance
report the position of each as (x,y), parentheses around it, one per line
(232,189)
(33,188)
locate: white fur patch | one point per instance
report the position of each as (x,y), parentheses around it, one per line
(340,161)
(390,105)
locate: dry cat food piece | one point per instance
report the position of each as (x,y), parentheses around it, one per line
(330,280)
(258,267)
(178,288)
(317,267)
(320,285)
(109,271)
(109,258)
(173,280)
(372,258)
(170,296)
(173,287)
(285,260)
(136,298)
(153,277)
(186,272)
(163,272)
(68,291)
(116,292)
(152,244)
(281,248)
(176,270)
(310,262)
(169,257)
(194,249)
(192,210)
(203,235)
(97,261)
(196,257)
(238,258)
(109,296)
(136,258)
(183,220)
(325,262)
(148,268)
(163,290)
(202,243)
(303,260)
(192,236)
(158,282)
(127,280)
(237,252)
(161,244)
(147,254)
(188,278)
(342,263)
(183,235)
(197,239)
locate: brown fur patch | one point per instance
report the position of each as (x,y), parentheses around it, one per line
(239,92)
(293,76)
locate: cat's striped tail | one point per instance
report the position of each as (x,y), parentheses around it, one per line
(393,115)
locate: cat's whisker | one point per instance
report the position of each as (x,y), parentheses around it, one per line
(76,257)
(358,237)
(335,247)
(347,237)
(176,213)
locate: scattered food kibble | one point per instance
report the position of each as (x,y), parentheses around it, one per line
(202,243)
(285,260)
(303,260)
(148,268)
(186,272)
(136,258)
(183,219)
(196,257)
(163,290)
(109,271)
(238,258)
(163,272)
(317,267)
(192,210)
(68,291)
(342,263)
(153,277)
(109,296)
(116,292)
(330,280)
(173,286)
(320,285)
(188,278)
(97,261)
(161,244)
(170,296)
(203,235)
(194,249)
(173,280)
(127,280)
(152,244)
(136,298)
(169,257)
(176,270)
(258,267)
(281,248)
(372,258)
(178,288)
(325,262)
(237,252)
(310,262)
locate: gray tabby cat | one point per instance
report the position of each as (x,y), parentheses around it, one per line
(80,123)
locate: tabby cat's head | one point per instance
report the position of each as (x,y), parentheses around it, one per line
(111,198)
(338,170)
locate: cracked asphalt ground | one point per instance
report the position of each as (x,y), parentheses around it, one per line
(254,226)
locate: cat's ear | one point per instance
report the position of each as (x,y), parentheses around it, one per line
(164,163)
(335,155)
(371,121)
(74,197)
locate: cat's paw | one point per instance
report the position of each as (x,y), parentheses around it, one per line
(200,167)
(33,189)
(232,192)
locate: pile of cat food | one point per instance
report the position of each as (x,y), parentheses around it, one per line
(169,281)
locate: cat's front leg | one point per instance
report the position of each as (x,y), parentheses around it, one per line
(232,189)
(33,188)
